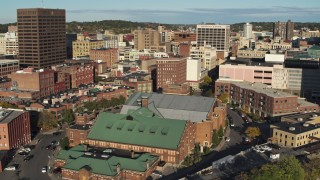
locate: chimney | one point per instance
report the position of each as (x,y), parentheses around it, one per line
(144,101)
(132,154)
(118,168)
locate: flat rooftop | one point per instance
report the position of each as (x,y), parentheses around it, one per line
(296,128)
(8,61)
(302,117)
(263,89)
(250,62)
(7,116)
(80,127)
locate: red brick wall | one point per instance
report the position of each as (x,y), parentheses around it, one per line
(76,136)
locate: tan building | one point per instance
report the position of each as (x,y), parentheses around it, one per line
(109,56)
(296,130)
(8,66)
(42,37)
(82,47)
(144,39)
(248,53)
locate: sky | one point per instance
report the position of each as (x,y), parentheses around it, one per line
(173,11)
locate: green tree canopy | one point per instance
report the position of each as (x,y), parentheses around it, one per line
(47,120)
(288,168)
(252,132)
(207,79)
(215,138)
(224,97)
(68,116)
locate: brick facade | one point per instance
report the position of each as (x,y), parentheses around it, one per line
(108,56)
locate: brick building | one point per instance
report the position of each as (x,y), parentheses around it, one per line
(142,131)
(184,49)
(42,37)
(261,99)
(204,113)
(140,81)
(108,55)
(29,80)
(82,47)
(79,74)
(184,37)
(80,163)
(171,71)
(14,128)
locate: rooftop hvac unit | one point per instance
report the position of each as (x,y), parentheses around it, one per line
(300,119)
(292,128)
(306,125)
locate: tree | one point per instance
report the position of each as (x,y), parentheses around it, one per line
(220,132)
(191,91)
(64,143)
(287,168)
(68,116)
(207,79)
(7,105)
(215,139)
(312,168)
(47,120)
(255,117)
(252,132)
(224,97)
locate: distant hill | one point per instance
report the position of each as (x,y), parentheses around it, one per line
(120,26)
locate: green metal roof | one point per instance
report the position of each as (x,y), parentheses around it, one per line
(314,47)
(107,166)
(139,128)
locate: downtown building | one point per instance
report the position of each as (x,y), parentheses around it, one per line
(42,37)
(284,30)
(217,36)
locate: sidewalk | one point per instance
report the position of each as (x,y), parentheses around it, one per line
(223,141)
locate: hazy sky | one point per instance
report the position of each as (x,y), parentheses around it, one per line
(173,11)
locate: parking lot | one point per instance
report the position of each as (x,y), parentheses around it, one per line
(32,169)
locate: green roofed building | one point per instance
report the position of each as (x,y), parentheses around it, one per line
(81,162)
(142,130)
(314,51)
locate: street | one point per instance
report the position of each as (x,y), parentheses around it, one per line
(31,170)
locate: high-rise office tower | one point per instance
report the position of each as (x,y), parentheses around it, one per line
(42,37)
(283,29)
(215,35)
(247,30)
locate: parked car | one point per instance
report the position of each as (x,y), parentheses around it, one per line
(274,146)
(157,173)
(108,150)
(49,146)
(228,139)
(28,158)
(56,133)
(23,153)
(44,169)
(10,168)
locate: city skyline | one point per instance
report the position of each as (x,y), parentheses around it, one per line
(169,12)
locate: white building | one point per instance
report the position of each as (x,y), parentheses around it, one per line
(207,55)
(278,58)
(247,30)
(193,72)
(12,47)
(215,35)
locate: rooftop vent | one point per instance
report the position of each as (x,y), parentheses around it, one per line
(129,117)
(300,119)
(141,128)
(120,126)
(292,128)
(314,115)
(109,125)
(306,125)
(164,131)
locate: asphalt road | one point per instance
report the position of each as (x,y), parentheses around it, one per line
(230,148)
(31,170)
